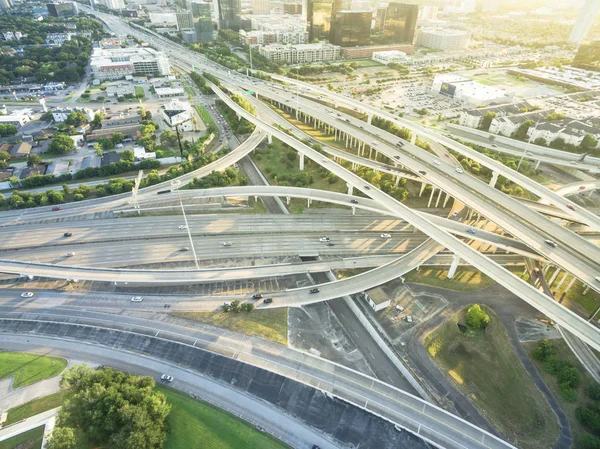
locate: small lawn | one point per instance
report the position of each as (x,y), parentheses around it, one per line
(29,368)
(367,63)
(139,93)
(485,368)
(464,280)
(574,299)
(32,439)
(35,407)
(194,424)
(267,324)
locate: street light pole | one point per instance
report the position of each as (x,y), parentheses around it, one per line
(187,227)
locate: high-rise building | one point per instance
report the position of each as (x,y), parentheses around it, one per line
(319,16)
(229,14)
(400,22)
(443,39)
(588,55)
(292,8)
(584,21)
(351,28)
(185,21)
(380,15)
(114,4)
(203,24)
(261,7)
(62,9)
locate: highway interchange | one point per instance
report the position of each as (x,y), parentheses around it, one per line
(34,244)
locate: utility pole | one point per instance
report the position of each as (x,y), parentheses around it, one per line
(175,184)
(179,140)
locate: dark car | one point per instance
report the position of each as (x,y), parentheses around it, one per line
(354,201)
(422,172)
(314,290)
(68,234)
(367,188)
(257,296)
(330,244)
(396,157)
(56,208)
(268,300)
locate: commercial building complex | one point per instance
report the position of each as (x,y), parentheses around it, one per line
(386,57)
(178,114)
(351,28)
(118,63)
(443,39)
(319,15)
(465,89)
(62,9)
(274,29)
(301,54)
(229,14)
(369,50)
(273,37)
(202,21)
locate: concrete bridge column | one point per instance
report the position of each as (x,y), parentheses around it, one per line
(431,197)
(369,118)
(350,188)
(287,200)
(446,200)
(570,284)
(308,201)
(453,267)
(397,180)
(413,139)
(423,185)
(556,273)
(545,269)
(301,161)
(585,290)
(564,278)
(269,138)
(255,199)
(470,214)
(537,164)
(437,202)
(354,211)
(494,179)
(370,152)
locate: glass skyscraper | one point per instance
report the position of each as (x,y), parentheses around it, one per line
(400,22)
(229,14)
(351,28)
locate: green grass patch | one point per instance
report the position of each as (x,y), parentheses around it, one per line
(563,352)
(139,91)
(267,324)
(29,368)
(194,424)
(464,280)
(485,368)
(574,299)
(35,407)
(367,63)
(32,439)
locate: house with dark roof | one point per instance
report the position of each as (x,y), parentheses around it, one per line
(21,149)
(109,158)
(38,169)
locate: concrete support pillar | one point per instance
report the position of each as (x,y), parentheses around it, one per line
(423,185)
(369,118)
(308,201)
(255,198)
(564,278)
(453,267)
(397,181)
(556,273)
(354,211)
(446,200)
(370,153)
(269,138)
(287,200)
(350,188)
(437,202)
(413,138)
(537,164)
(301,161)
(585,290)
(545,269)
(431,197)
(470,214)
(570,284)
(494,179)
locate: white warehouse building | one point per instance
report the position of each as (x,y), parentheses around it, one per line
(466,90)
(385,57)
(120,62)
(443,39)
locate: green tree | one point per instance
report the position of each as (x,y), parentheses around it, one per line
(4,156)
(61,143)
(588,441)
(76,118)
(234,306)
(588,142)
(486,120)
(106,144)
(117,138)
(543,350)
(521,132)
(114,409)
(477,318)
(33,159)
(97,121)
(127,155)
(7,130)
(62,438)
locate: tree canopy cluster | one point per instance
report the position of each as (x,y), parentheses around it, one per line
(477,318)
(110,409)
(238,126)
(7,130)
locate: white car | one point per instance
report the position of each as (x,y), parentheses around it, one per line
(137,299)
(458,170)
(386,236)
(226,243)
(166,378)
(182,227)
(71,254)
(27,295)
(436,162)
(324,239)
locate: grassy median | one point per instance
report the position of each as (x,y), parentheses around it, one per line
(32,439)
(194,424)
(267,324)
(485,368)
(29,368)
(35,407)
(464,280)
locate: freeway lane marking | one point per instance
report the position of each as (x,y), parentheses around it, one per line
(318,369)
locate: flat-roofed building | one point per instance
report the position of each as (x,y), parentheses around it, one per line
(301,54)
(120,62)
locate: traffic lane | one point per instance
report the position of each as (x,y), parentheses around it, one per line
(248,408)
